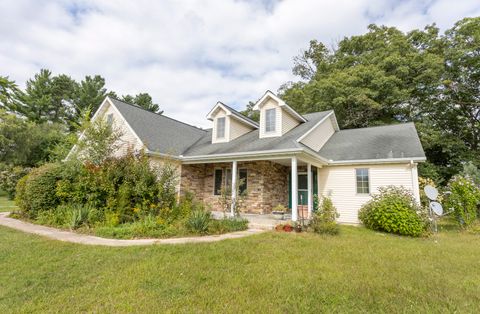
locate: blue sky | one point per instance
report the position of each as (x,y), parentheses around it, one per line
(190,54)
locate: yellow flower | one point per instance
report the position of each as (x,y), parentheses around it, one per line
(136,209)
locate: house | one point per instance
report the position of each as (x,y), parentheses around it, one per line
(284,159)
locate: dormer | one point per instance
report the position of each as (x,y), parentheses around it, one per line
(276,117)
(228,124)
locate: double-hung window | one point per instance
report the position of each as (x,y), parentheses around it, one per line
(270,119)
(223,180)
(363,181)
(221,127)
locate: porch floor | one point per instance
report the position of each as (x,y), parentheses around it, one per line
(258,221)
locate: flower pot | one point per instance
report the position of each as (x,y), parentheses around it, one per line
(287,228)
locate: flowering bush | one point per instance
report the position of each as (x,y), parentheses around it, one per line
(464,199)
(394,210)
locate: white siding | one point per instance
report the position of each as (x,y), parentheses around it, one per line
(288,122)
(238,129)
(128,140)
(278,121)
(339,183)
(233,128)
(220,114)
(320,135)
(284,121)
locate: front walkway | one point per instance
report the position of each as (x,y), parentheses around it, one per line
(73,237)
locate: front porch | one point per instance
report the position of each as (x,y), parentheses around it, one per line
(288,181)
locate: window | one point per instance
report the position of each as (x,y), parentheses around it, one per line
(270,118)
(221,127)
(110,119)
(242,177)
(218,182)
(223,180)
(363,186)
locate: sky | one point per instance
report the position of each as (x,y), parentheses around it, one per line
(190,54)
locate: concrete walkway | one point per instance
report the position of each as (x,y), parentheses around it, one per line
(73,237)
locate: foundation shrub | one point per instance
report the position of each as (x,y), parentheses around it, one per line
(324,217)
(394,210)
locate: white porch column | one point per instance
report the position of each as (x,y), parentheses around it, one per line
(310,190)
(294,189)
(234,187)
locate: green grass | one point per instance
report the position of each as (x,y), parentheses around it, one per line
(357,271)
(6,205)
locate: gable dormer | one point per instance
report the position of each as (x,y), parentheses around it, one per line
(276,117)
(228,124)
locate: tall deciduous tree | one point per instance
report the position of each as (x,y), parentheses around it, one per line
(387,76)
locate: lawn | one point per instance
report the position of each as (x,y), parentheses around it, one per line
(358,271)
(6,205)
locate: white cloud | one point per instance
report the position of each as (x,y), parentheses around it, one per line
(190,54)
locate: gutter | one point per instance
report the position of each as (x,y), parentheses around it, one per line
(378,161)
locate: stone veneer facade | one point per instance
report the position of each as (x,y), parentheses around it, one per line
(267,184)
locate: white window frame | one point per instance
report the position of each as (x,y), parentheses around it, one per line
(224,127)
(368,178)
(273,121)
(110,119)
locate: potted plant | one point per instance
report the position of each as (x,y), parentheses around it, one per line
(279,227)
(297,227)
(278,211)
(287,228)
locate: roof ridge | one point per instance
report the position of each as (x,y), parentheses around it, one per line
(380,126)
(157,114)
(238,112)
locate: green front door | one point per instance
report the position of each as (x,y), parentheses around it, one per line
(302,187)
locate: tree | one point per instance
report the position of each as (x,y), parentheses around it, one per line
(386,76)
(48,98)
(143,100)
(249,112)
(9,93)
(89,94)
(27,144)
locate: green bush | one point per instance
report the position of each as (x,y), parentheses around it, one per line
(394,210)
(324,217)
(198,221)
(9,177)
(464,200)
(37,192)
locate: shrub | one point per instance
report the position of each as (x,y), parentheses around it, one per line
(37,192)
(324,217)
(394,210)
(9,177)
(198,221)
(464,200)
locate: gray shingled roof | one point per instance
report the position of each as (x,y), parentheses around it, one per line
(169,136)
(391,141)
(158,132)
(251,142)
(239,115)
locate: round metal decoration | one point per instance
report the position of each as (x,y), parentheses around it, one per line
(437,208)
(431,192)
